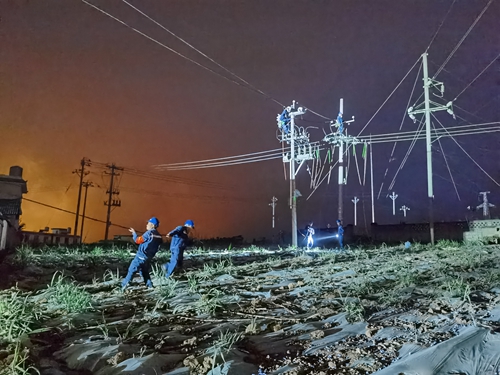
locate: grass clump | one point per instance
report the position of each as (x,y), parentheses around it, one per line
(64,294)
(167,287)
(223,345)
(210,302)
(16,316)
(354,310)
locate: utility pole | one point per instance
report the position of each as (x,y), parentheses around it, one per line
(86,185)
(111,192)
(428,84)
(340,138)
(294,112)
(404,209)
(80,172)
(340,212)
(273,205)
(355,201)
(393,196)
(371,182)
(485,205)
(300,151)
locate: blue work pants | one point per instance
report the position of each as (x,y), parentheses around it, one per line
(141,265)
(176,259)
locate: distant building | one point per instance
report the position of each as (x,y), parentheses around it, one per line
(58,236)
(12,188)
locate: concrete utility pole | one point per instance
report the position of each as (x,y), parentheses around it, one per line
(355,201)
(273,205)
(111,202)
(340,138)
(300,151)
(430,83)
(341,181)
(393,196)
(485,205)
(293,199)
(86,185)
(404,209)
(371,182)
(80,172)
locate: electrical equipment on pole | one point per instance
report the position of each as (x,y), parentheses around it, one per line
(300,151)
(339,137)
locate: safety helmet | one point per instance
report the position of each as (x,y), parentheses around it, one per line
(154,221)
(189,223)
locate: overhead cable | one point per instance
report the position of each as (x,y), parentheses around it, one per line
(462,40)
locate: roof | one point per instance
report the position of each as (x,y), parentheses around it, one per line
(10,207)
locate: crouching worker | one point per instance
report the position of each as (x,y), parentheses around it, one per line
(179,242)
(149,244)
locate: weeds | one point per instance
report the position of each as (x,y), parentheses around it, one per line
(24,256)
(361,287)
(192,283)
(408,278)
(209,303)
(222,267)
(167,287)
(16,316)
(457,288)
(111,276)
(18,363)
(223,345)
(354,311)
(65,294)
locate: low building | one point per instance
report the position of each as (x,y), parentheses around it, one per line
(57,236)
(12,188)
(483,230)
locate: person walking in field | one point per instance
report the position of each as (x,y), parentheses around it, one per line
(180,239)
(340,234)
(309,236)
(149,244)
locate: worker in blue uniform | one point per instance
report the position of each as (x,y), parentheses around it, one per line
(149,244)
(180,239)
(309,235)
(340,234)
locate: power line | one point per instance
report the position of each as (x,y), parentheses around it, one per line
(188,196)
(161,177)
(203,54)
(466,153)
(71,212)
(440,25)
(408,152)
(277,153)
(463,38)
(390,95)
(447,165)
(178,53)
(479,75)
(401,124)
(218,159)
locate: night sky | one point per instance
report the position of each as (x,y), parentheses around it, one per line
(75,83)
